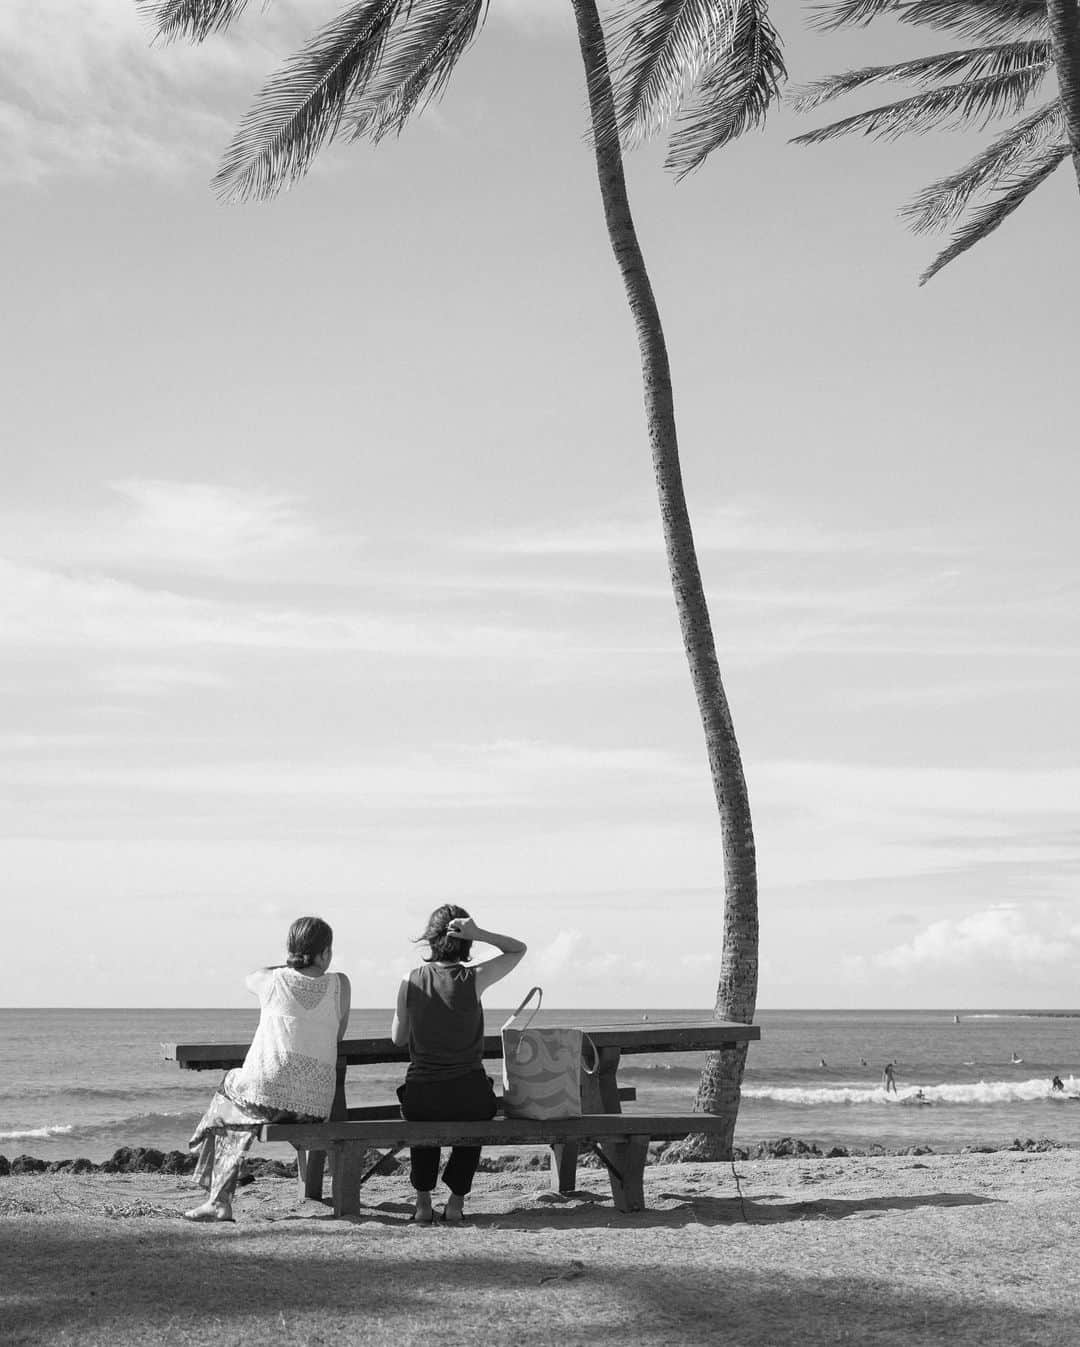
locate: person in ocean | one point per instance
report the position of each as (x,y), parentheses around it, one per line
(440,1018)
(888,1078)
(290,1071)
(1057,1085)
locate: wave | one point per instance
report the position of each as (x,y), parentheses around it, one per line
(37,1133)
(83,1092)
(129,1126)
(983,1092)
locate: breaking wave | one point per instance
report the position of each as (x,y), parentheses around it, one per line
(127,1127)
(915,1096)
(37,1133)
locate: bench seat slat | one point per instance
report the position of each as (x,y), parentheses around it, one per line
(384,1133)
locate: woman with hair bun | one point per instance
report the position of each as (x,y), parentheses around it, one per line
(290,1071)
(440,1018)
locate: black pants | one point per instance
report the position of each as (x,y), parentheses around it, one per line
(468,1098)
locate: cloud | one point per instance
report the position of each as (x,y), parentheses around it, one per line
(1027,938)
(910,794)
(750,526)
(180,528)
(47,609)
(88,95)
(151,680)
(452,776)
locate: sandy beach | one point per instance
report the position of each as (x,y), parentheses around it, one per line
(958,1248)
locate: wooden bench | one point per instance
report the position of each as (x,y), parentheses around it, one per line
(604,1100)
(621,1140)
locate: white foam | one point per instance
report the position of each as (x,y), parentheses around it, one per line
(39,1132)
(983,1092)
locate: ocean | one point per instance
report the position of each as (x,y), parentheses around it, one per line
(85,1082)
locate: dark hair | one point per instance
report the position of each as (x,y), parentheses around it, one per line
(446,948)
(308,937)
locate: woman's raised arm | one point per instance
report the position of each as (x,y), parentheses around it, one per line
(489,971)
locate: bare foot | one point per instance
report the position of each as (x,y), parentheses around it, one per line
(454,1211)
(422,1213)
(210,1211)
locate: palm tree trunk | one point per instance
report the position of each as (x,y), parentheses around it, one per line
(1063,17)
(737,990)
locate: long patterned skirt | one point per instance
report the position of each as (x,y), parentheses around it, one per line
(224,1136)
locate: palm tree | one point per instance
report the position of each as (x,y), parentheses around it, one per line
(712,68)
(1019,42)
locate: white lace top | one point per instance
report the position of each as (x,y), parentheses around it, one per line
(292,1061)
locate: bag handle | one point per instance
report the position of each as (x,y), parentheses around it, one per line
(538,992)
(589,1070)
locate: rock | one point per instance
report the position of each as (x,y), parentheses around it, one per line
(27,1164)
(785,1148)
(134,1160)
(5,1167)
(260,1168)
(836,1153)
(178,1162)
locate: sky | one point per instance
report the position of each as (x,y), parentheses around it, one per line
(331,577)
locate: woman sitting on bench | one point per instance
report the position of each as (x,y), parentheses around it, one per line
(440,1018)
(289,1073)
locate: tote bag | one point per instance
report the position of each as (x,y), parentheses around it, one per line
(543,1068)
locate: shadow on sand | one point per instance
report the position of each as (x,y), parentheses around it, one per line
(123,1284)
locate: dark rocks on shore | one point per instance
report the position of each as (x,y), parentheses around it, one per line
(1043,1144)
(26,1164)
(146,1160)
(127,1160)
(139,1160)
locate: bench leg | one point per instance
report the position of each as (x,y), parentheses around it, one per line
(564,1157)
(348,1171)
(309,1172)
(628,1156)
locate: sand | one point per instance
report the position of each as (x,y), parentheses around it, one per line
(965,1249)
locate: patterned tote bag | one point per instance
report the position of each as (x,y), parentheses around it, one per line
(543,1068)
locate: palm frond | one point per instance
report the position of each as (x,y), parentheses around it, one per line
(945,199)
(969,63)
(734,94)
(193,19)
(980,20)
(300,109)
(417,61)
(659,49)
(851,13)
(985,220)
(953,105)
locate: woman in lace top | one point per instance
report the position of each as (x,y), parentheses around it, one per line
(440,1018)
(289,1073)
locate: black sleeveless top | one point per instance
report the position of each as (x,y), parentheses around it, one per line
(446,1022)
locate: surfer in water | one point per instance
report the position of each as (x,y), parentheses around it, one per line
(1057,1085)
(1016,1059)
(888,1078)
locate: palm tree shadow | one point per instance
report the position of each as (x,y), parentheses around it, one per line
(725,1210)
